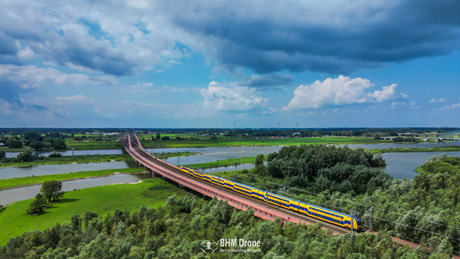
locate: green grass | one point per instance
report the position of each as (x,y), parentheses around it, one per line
(420,170)
(103,200)
(31,180)
(7,149)
(226,142)
(406,150)
(93,145)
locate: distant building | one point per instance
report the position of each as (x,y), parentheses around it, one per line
(296,135)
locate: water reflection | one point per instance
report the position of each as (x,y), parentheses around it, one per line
(250,149)
(13,172)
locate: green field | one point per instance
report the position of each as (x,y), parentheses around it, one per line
(104,199)
(226,142)
(406,150)
(31,180)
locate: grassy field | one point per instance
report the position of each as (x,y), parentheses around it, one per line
(104,199)
(406,150)
(226,142)
(24,181)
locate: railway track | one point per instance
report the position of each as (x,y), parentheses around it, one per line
(290,215)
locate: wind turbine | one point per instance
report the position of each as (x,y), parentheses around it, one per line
(278,125)
(297,125)
(257,124)
(234,124)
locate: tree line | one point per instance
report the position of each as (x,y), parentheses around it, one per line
(325,167)
(179,230)
(424,210)
(36,141)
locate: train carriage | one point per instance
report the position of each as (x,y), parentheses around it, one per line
(317,212)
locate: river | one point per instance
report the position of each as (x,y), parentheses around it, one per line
(13,172)
(249,149)
(399,165)
(24,193)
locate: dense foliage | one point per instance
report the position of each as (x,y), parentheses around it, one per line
(425,209)
(179,229)
(342,169)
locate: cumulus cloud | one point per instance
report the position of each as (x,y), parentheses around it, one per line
(440,100)
(269,80)
(336,37)
(151,88)
(114,38)
(128,37)
(231,98)
(338,91)
(32,76)
(75,98)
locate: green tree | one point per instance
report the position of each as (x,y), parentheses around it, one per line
(38,205)
(58,144)
(158,136)
(32,136)
(259,167)
(14,143)
(25,157)
(37,145)
(52,190)
(2,154)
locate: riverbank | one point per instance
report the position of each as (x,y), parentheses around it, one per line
(102,200)
(238,142)
(34,180)
(409,150)
(83,159)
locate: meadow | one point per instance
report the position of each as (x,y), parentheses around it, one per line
(152,193)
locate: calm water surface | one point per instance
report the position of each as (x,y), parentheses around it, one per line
(256,150)
(24,193)
(13,172)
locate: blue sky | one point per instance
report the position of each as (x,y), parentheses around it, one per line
(161,64)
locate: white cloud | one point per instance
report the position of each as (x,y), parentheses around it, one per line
(440,100)
(32,76)
(451,106)
(151,88)
(75,98)
(337,92)
(231,99)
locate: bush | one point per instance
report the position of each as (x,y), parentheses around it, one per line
(14,143)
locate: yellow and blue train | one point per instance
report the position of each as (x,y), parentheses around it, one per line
(313,211)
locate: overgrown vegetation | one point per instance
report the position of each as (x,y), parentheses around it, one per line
(424,210)
(179,229)
(326,167)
